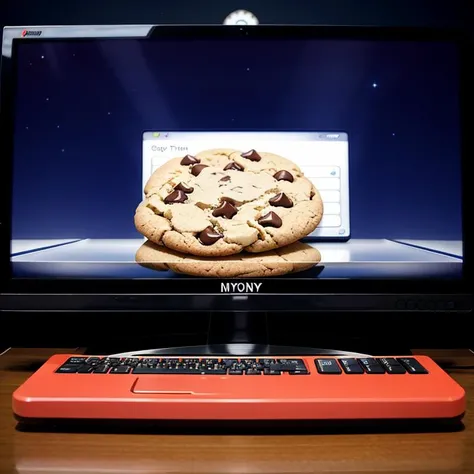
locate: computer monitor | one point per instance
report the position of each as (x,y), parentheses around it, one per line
(356,137)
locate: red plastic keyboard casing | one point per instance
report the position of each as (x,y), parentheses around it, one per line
(50,395)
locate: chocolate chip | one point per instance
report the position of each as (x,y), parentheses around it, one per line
(196,169)
(184,188)
(228,199)
(251,155)
(209,236)
(234,166)
(281,200)
(283,175)
(175,197)
(190,160)
(226,209)
(225,178)
(270,220)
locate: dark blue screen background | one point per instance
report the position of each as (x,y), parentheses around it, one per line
(81,108)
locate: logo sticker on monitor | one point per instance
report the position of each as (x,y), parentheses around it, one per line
(28,33)
(322,156)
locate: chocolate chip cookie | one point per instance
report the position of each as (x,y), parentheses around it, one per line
(222,201)
(293,258)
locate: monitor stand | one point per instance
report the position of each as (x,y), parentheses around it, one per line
(238,333)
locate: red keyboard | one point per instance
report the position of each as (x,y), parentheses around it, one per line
(190,388)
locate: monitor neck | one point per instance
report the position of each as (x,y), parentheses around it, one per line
(239,333)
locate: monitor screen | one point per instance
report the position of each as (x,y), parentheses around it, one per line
(186,157)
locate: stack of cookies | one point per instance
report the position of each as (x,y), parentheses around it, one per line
(228,213)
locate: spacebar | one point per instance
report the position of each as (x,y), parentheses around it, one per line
(156,370)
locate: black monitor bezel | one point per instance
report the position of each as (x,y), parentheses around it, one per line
(278,288)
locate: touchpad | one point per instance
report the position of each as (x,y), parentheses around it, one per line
(174,385)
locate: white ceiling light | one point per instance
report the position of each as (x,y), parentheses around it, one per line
(241,17)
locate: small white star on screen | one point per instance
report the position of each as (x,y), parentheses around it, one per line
(63,150)
(57,126)
(42,57)
(108,113)
(374,85)
(248,69)
(47,99)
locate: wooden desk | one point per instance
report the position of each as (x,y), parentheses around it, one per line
(134,453)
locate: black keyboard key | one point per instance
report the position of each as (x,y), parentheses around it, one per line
(67,369)
(182,371)
(351,366)
(268,371)
(213,371)
(93,360)
(412,365)
(130,361)
(288,365)
(229,362)
(152,370)
(267,362)
(120,369)
(76,360)
(298,363)
(101,369)
(371,366)
(392,366)
(328,366)
(85,369)
(236,372)
(249,362)
(253,372)
(299,372)
(112,360)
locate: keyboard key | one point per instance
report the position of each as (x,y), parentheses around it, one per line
(120,369)
(351,366)
(235,372)
(76,360)
(268,371)
(391,366)
(213,371)
(267,362)
(85,369)
(288,365)
(299,363)
(101,369)
(156,370)
(327,366)
(371,366)
(93,360)
(253,372)
(229,362)
(67,369)
(299,372)
(412,365)
(252,364)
